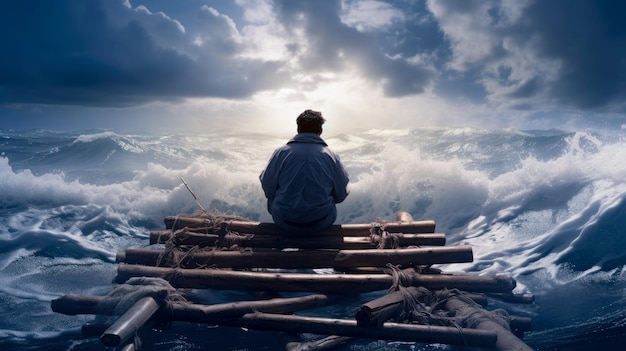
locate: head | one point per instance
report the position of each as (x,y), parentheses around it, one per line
(310,121)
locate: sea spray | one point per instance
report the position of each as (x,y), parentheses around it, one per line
(546,207)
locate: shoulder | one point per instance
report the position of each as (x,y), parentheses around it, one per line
(331,154)
(281,151)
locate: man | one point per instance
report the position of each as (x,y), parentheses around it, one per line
(304,179)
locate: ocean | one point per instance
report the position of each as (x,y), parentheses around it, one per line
(546,207)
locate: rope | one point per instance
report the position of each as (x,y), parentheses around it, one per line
(213,221)
(472,314)
(416,302)
(124,296)
(234,239)
(389,241)
(399,277)
(382,238)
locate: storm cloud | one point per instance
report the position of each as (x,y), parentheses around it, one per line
(559,52)
(331,44)
(101,52)
(524,55)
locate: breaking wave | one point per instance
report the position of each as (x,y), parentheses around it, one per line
(547,207)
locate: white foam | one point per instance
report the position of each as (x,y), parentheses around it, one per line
(507,217)
(88,138)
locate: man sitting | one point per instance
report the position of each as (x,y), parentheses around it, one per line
(304,179)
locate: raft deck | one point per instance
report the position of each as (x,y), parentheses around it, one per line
(204,251)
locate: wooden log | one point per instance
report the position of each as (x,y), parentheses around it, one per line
(128,347)
(342,327)
(201,313)
(415,227)
(96,327)
(323,326)
(379,270)
(505,339)
(189,312)
(301,258)
(354,283)
(75,304)
(381,310)
(402,240)
(403,216)
(519,325)
(130,322)
(184,237)
(87,304)
(313,242)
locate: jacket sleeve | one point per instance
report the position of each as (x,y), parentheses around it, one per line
(340,190)
(269,180)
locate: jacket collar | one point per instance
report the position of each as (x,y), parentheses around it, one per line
(310,138)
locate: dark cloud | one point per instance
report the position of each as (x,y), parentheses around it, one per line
(333,45)
(523,55)
(561,53)
(104,53)
(109,53)
(588,38)
(527,89)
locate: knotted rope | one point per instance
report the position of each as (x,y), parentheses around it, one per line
(381,237)
(124,296)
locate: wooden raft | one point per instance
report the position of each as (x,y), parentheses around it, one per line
(422,305)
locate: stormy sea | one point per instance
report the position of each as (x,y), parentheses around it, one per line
(546,207)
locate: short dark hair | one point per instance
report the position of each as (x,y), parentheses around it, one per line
(310,116)
(310,121)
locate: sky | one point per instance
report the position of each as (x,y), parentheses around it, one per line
(254,65)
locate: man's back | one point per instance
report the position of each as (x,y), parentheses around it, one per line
(302,182)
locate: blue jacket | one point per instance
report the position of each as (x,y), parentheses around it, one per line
(302,182)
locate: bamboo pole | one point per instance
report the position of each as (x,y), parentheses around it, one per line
(96,327)
(355,283)
(201,313)
(130,322)
(325,326)
(373,241)
(190,312)
(84,304)
(184,237)
(505,339)
(128,347)
(301,258)
(187,237)
(343,327)
(415,227)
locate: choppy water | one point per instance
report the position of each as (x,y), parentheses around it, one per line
(546,207)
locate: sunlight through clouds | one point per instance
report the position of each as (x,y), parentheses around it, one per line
(496,63)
